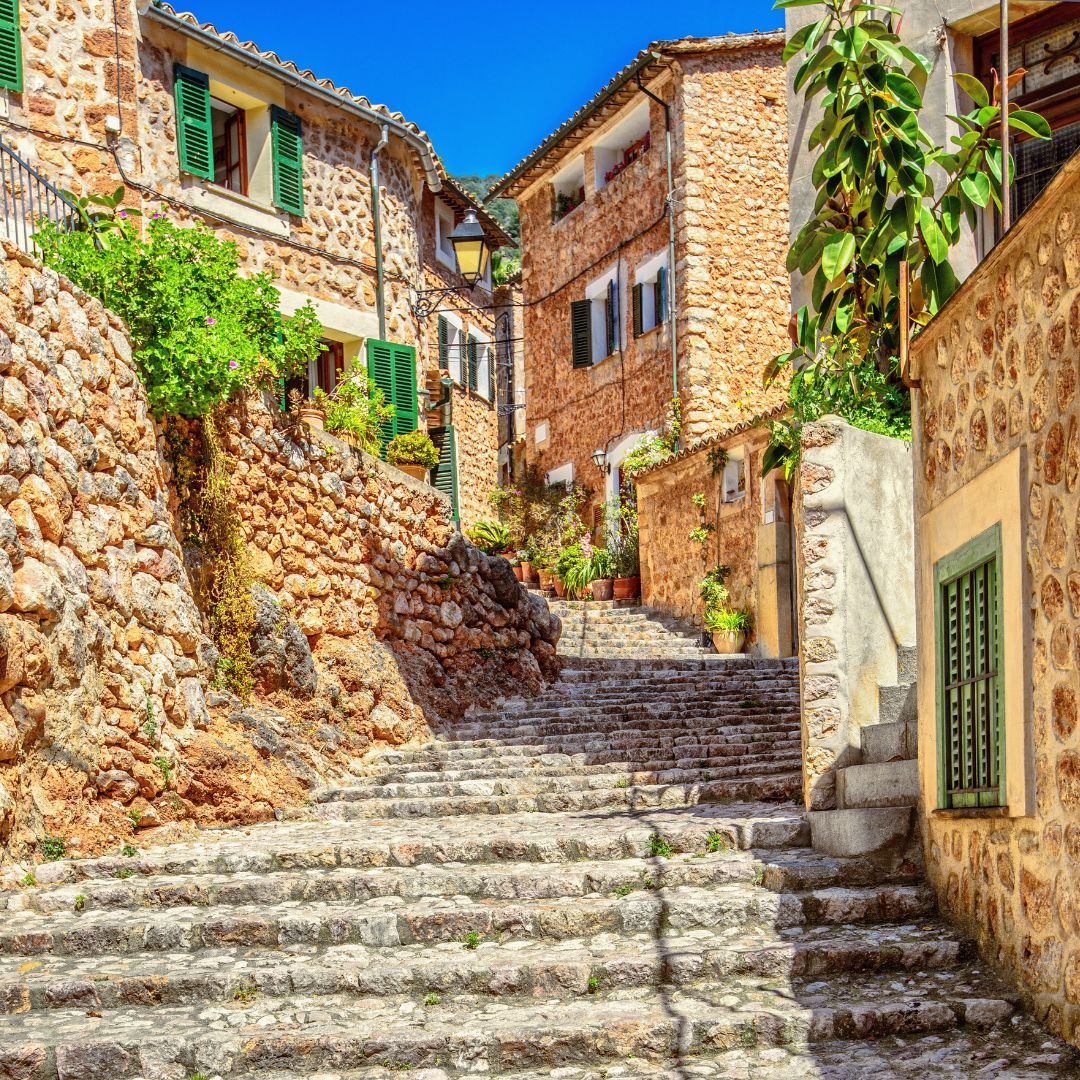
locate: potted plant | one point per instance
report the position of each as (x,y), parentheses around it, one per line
(728,627)
(568,571)
(355,410)
(308,410)
(491,537)
(519,571)
(601,570)
(413,453)
(531,556)
(622,526)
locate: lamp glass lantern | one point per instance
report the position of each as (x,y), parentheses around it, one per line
(470,249)
(600,460)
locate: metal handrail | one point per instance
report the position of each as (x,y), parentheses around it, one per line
(28,200)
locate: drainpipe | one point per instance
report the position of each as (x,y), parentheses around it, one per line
(380,302)
(671,293)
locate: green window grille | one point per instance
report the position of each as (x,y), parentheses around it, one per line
(444,344)
(287,146)
(194,134)
(970,678)
(637,307)
(612,322)
(581,332)
(393,368)
(444,477)
(473,362)
(11,73)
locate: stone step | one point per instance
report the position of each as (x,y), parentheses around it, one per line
(630,728)
(744,708)
(249,1038)
(889,742)
(678,735)
(847,833)
(716,663)
(575,967)
(542,781)
(387,922)
(907,663)
(634,798)
(889,783)
(898,704)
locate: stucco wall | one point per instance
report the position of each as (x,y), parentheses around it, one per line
(997,439)
(856,588)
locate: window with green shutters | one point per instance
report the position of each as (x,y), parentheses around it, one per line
(660,294)
(581,332)
(287,147)
(970,678)
(444,477)
(444,344)
(637,306)
(473,362)
(194,133)
(11,74)
(393,368)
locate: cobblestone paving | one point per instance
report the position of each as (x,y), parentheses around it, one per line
(564,887)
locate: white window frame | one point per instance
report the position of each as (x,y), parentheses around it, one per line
(596,292)
(541,433)
(646,275)
(444,227)
(483,363)
(609,149)
(455,348)
(734,472)
(564,474)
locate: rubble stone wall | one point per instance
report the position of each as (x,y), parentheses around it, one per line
(998,371)
(374,618)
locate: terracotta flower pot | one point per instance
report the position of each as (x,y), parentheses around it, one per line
(626,588)
(530,573)
(518,572)
(603,588)
(560,589)
(417,472)
(546,578)
(729,641)
(314,418)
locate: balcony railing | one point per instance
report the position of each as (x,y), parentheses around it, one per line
(28,200)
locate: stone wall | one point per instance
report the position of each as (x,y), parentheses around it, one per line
(997,441)
(375,618)
(672,565)
(856,594)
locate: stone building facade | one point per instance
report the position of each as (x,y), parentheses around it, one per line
(98,108)
(748,522)
(375,620)
(997,502)
(700,320)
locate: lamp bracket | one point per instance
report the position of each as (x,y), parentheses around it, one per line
(426,301)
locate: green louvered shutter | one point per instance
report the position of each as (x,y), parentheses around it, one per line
(287,145)
(472,362)
(444,477)
(492,358)
(404,358)
(637,306)
(970,676)
(380,361)
(194,135)
(581,332)
(444,344)
(612,317)
(660,294)
(10,46)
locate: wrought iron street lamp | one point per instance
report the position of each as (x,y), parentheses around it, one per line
(471,255)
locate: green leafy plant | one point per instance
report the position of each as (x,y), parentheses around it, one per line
(886,195)
(412,448)
(28,881)
(245,994)
(433,999)
(718,841)
(593,984)
(491,537)
(621,528)
(726,621)
(651,450)
(129,851)
(52,848)
(659,847)
(713,588)
(471,940)
(356,409)
(505,265)
(123,873)
(80,903)
(135,816)
(166,768)
(202,330)
(622,890)
(701,534)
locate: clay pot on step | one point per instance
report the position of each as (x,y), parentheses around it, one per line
(529,572)
(417,472)
(546,577)
(518,572)
(313,417)
(727,642)
(603,588)
(560,589)
(626,588)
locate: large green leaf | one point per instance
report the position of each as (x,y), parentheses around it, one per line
(973,88)
(1031,123)
(933,236)
(837,254)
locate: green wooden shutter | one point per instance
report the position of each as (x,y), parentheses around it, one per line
(660,294)
(405,389)
(380,359)
(444,477)
(492,358)
(970,675)
(287,145)
(194,135)
(444,344)
(11,74)
(612,317)
(581,332)
(472,362)
(637,305)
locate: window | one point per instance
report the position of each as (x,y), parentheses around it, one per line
(324,371)
(649,296)
(594,321)
(564,474)
(229,128)
(11,74)
(734,478)
(1037,163)
(444,227)
(480,373)
(968,643)
(444,477)
(452,348)
(569,188)
(393,368)
(621,146)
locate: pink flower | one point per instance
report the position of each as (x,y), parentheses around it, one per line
(210,320)
(233,365)
(123,214)
(586,546)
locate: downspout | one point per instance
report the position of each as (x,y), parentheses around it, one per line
(671,233)
(380,301)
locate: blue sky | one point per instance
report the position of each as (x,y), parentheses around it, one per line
(487,81)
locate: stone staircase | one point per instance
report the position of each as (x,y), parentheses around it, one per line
(875,798)
(613,879)
(608,630)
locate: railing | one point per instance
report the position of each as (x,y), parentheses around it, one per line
(28,201)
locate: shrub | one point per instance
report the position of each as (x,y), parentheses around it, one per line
(356,409)
(201,330)
(621,526)
(491,537)
(412,448)
(713,588)
(726,621)
(52,848)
